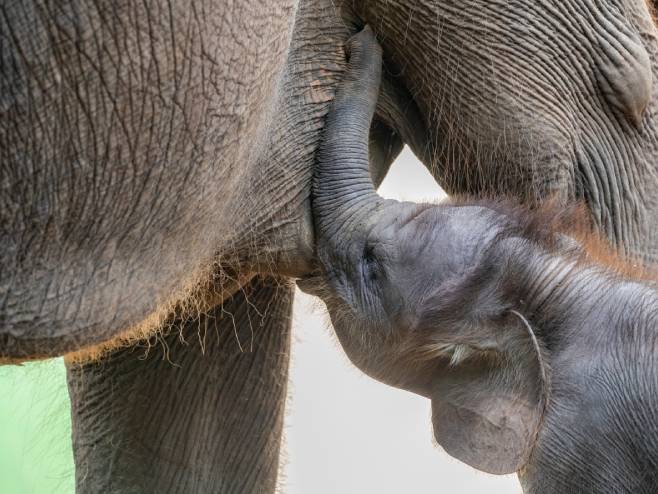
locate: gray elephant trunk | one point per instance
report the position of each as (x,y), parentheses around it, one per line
(343,191)
(342,185)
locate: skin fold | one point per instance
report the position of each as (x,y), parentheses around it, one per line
(537,352)
(156,157)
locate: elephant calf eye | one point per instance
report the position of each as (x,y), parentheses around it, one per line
(369,253)
(370,263)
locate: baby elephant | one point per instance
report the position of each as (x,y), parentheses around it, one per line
(537,357)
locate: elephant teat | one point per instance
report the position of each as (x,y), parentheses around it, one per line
(624,74)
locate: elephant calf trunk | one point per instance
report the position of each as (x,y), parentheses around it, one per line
(342,185)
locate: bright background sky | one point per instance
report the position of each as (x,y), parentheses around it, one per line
(349,434)
(345,433)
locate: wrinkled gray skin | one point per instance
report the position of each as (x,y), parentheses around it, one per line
(536,98)
(140,144)
(147,146)
(536,359)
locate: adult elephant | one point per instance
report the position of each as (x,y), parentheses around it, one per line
(156,162)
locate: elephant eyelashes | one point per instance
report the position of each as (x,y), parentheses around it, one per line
(371,264)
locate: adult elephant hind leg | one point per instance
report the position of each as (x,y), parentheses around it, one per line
(201,413)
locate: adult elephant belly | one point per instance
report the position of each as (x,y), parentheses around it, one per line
(534,100)
(153,158)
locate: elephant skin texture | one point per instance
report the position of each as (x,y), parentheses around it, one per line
(535,99)
(156,157)
(145,164)
(180,414)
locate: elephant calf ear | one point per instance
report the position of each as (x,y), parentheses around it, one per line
(486,411)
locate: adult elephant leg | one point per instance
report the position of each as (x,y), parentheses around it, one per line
(200,411)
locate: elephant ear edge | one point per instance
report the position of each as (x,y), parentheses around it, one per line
(487,410)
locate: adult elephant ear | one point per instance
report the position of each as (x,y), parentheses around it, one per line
(488,404)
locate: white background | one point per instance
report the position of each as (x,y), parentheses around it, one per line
(346,433)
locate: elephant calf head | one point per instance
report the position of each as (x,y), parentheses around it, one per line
(537,358)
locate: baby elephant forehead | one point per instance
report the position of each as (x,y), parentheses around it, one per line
(476,216)
(455,227)
(443,242)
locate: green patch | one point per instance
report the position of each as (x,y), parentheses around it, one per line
(35,429)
